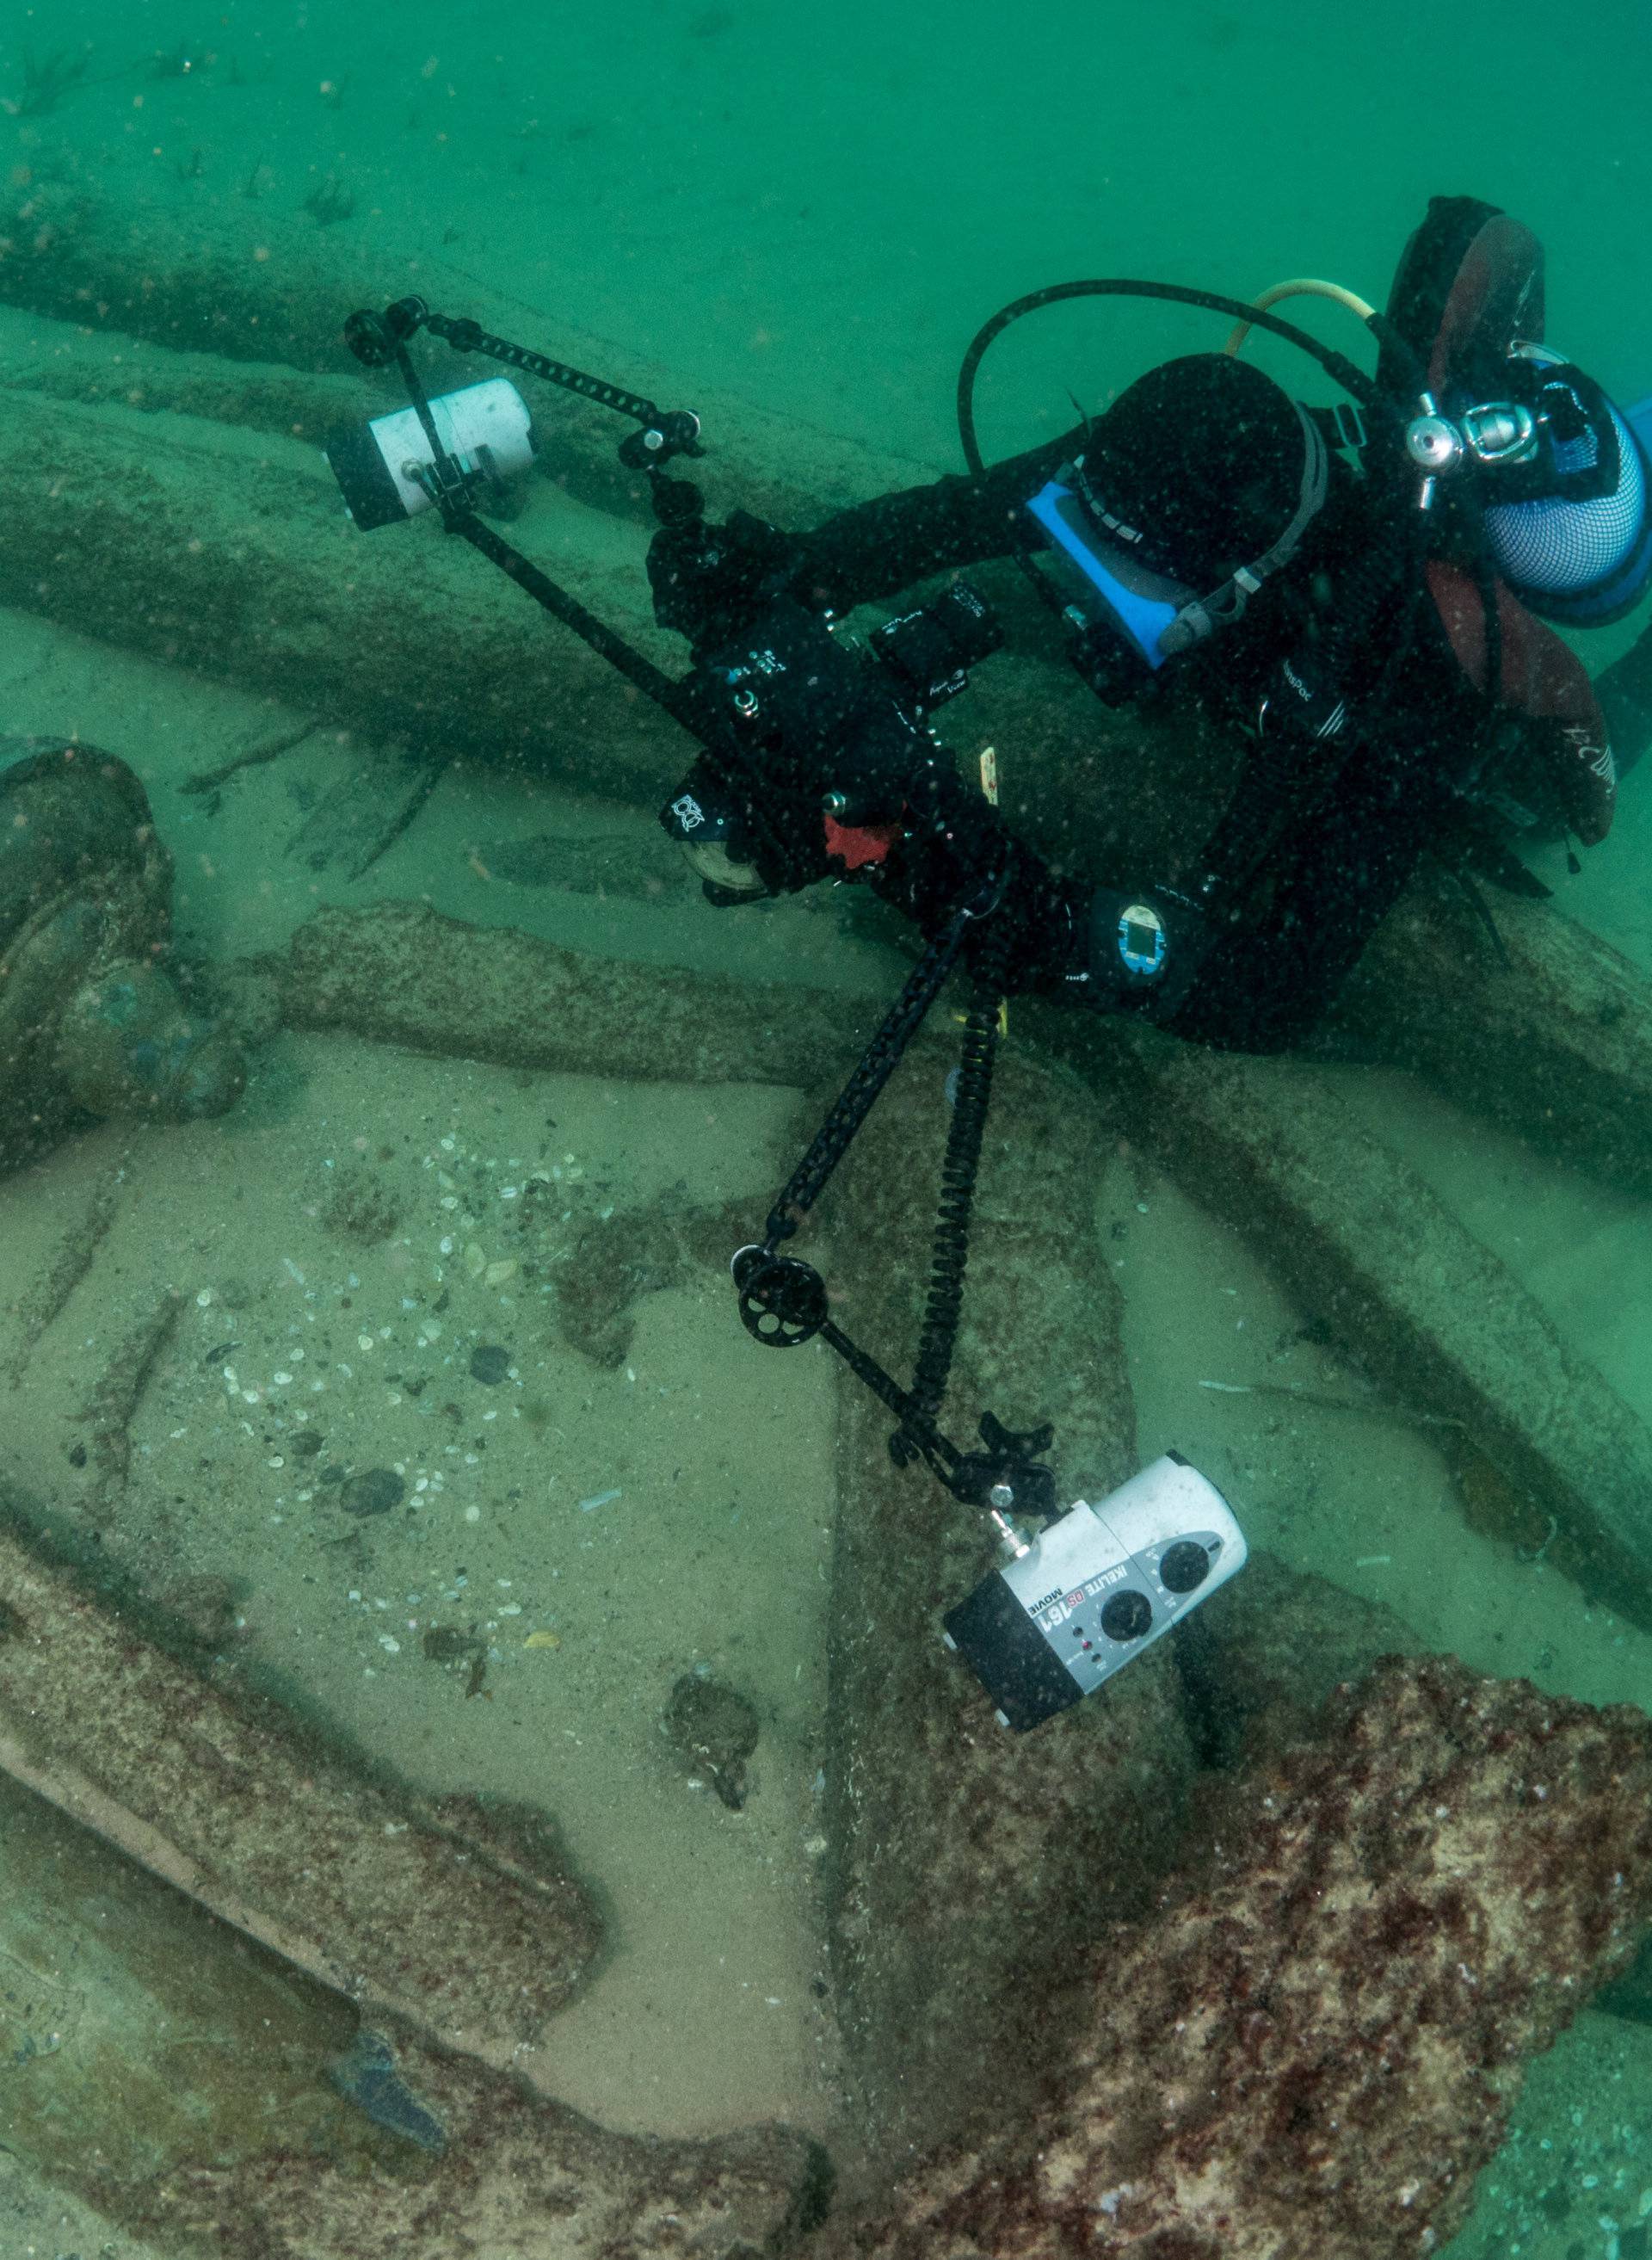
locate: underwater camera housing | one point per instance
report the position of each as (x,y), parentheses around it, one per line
(853,720)
(1088,1594)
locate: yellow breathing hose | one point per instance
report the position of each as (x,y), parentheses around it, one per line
(1303,286)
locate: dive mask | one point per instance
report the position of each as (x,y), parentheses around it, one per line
(1127,617)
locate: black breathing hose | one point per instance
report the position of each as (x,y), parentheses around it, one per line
(1352,378)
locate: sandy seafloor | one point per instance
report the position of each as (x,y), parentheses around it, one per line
(815,212)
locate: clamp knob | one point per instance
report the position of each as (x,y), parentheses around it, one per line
(782,1300)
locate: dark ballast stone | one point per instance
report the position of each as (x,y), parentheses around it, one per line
(374,1492)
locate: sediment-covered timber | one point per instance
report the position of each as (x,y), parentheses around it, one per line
(970,1866)
(1372,1253)
(1315,2046)
(162,2067)
(463,1922)
(403,973)
(1552,1039)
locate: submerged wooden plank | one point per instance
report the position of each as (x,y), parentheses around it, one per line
(39,1305)
(1315,2045)
(187,281)
(1370,1250)
(201,2091)
(378,792)
(1552,1039)
(400,973)
(466,1923)
(142,534)
(971,1867)
(114,1397)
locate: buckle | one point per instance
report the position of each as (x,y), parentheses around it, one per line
(1351,430)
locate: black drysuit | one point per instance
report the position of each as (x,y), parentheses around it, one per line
(1342,860)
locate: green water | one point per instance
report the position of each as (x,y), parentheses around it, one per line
(794,218)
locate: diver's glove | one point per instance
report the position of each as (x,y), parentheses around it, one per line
(1145,949)
(709,582)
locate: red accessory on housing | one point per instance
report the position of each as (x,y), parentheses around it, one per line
(857,844)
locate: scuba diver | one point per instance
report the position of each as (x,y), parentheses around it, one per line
(1360,598)
(1362,594)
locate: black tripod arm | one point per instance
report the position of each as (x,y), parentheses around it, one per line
(664,689)
(666,432)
